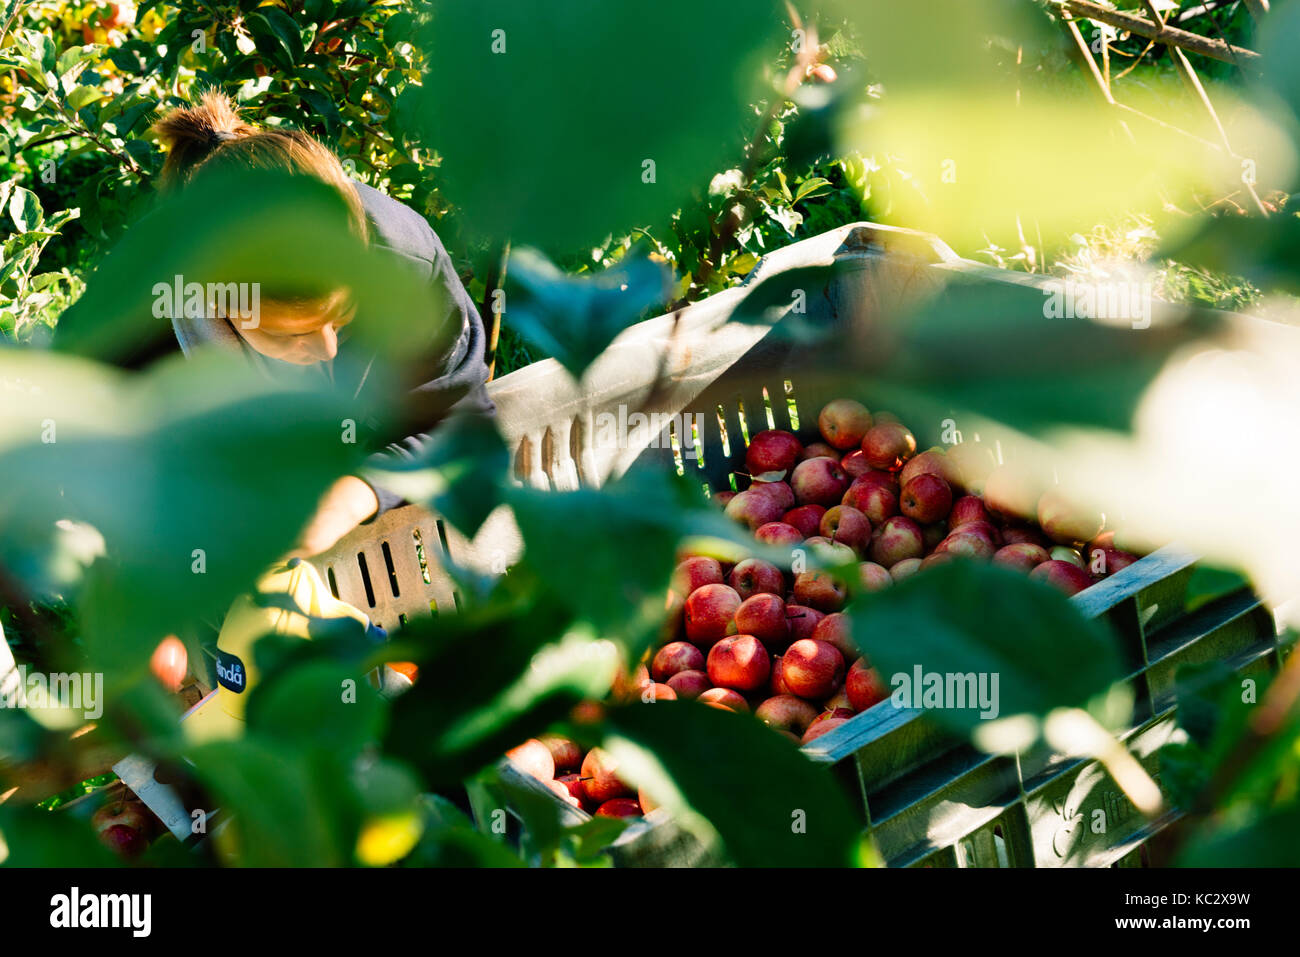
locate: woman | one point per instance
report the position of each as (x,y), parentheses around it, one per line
(305,331)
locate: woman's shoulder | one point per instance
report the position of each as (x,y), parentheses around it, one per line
(399,227)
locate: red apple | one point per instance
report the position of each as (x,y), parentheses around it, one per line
(690,684)
(1070,578)
(901,570)
(753,509)
(888,446)
(1024,535)
(1107,561)
(933,461)
(864,686)
(740,663)
(565,751)
(847,525)
(619,807)
(533,757)
(875,499)
(935,558)
(831,715)
(968,508)
(926,498)
(674,657)
(169,663)
(694,573)
(573,784)
(855,464)
(1022,557)
(124,841)
(763,616)
(600,780)
(874,577)
(786,713)
(820,590)
(985,530)
(818,450)
(778,533)
(819,481)
(803,620)
(657,692)
(753,576)
(721,499)
(726,699)
(119,812)
(775,685)
(843,423)
(776,490)
(899,538)
(967,544)
(806,518)
(564,793)
(1067,522)
(818,728)
(834,631)
(773,452)
(812,668)
(709,611)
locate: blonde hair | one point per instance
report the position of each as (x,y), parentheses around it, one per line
(213,132)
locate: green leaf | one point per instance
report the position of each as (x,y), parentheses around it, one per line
(318,11)
(83,96)
(811,187)
(38,838)
(991,622)
(1264,251)
(612,560)
(276,35)
(450,840)
(319,704)
(286,809)
(454,721)
(1268,839)
(25,209)
(460,472)
(118,452)
(771,806)
(991,348)
(575,318)
(521,162)
(783,302)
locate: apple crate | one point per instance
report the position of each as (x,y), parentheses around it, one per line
(927,799)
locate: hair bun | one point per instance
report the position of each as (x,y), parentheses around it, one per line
(191,132)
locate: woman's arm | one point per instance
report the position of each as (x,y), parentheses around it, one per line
(345,505)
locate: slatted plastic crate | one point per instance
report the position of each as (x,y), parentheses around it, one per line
(927,799)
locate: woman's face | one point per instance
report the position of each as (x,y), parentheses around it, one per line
(303,334)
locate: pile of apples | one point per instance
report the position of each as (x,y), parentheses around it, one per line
(769,639)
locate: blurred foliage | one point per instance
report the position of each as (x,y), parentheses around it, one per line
(205,458)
